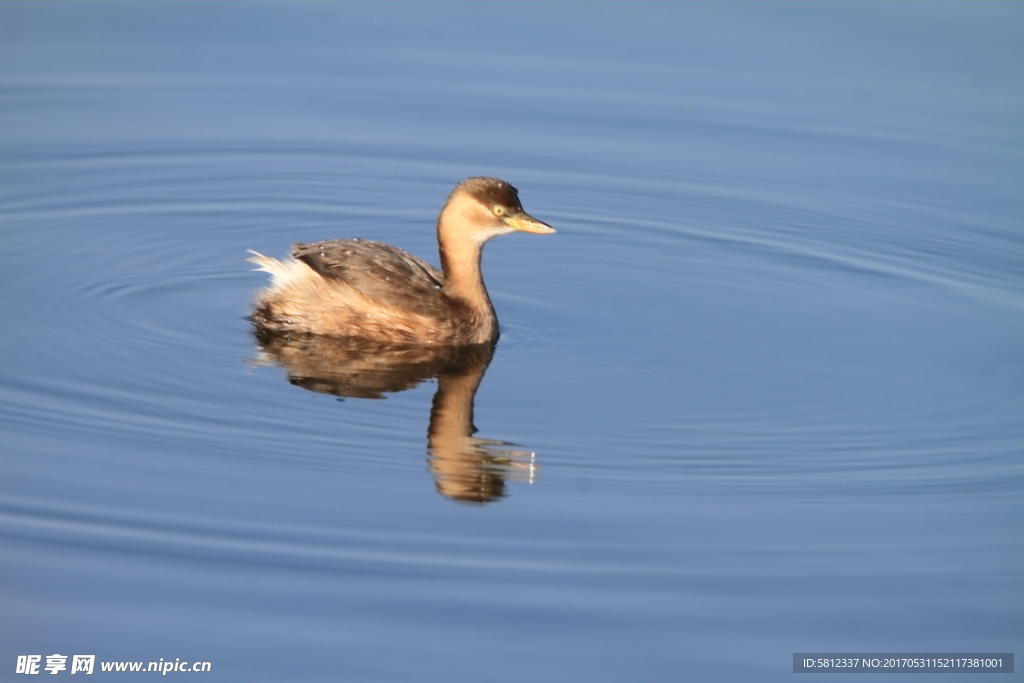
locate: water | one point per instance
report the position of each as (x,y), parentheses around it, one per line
(761,394)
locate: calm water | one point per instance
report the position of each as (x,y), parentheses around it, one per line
(761,394)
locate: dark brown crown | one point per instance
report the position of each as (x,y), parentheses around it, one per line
(491,191)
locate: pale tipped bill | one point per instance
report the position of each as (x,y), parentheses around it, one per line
(526,223)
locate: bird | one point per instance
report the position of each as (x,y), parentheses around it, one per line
(361,289)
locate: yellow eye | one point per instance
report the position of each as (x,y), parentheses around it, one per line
(498,210)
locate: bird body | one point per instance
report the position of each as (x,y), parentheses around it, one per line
(362,289)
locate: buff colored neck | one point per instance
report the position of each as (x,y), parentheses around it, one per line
(461,251)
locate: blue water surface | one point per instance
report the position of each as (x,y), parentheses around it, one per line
(761,394)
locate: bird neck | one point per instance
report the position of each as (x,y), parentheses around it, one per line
(463,279)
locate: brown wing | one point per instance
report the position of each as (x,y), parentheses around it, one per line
(381,272)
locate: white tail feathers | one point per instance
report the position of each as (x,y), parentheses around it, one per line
(284,272)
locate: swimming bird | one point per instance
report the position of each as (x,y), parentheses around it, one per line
(369,290)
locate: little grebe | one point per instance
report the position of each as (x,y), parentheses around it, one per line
(361,289)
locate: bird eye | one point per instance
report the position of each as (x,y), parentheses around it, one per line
(498,210)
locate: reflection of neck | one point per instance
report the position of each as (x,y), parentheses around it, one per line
(458,463)
(451,417)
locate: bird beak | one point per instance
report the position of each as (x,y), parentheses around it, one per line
(527,223)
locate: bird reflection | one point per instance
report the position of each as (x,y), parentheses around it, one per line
(465,468)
